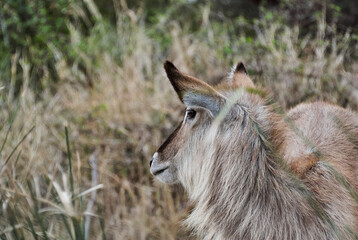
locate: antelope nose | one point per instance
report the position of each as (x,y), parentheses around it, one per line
(153,159)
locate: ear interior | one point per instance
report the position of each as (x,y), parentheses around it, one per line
(192,91)
(240,68)
(240,77)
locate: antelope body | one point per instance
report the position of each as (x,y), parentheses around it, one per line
(254,173)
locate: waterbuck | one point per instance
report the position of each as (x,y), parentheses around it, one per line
(253,172)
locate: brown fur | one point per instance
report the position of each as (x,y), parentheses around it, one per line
(255,174)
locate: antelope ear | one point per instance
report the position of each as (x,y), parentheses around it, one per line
(240,78)
(194,92)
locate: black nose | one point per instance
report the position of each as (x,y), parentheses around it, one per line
(150,163)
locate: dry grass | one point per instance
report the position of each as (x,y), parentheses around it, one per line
(115,126)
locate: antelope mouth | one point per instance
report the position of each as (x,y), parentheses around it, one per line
(159,171)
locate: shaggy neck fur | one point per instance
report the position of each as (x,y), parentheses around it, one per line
(239,187)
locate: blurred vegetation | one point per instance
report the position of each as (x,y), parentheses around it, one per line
(95,66)
(35,31)
(39,31)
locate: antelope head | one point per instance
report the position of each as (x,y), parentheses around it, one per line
(192,141)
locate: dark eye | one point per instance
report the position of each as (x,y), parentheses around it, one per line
(190,114)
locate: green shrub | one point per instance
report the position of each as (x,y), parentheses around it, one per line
(36,30)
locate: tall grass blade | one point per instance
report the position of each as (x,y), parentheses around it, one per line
(101,222)
(63,217)
(10,126)
(69,163)
(17,145)
(76,224)
(12,220)
(32,230)
(78,230)
(17,158)
(36,211)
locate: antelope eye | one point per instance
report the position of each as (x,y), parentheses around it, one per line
(190,114)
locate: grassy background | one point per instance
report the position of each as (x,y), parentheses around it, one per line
(95,68)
